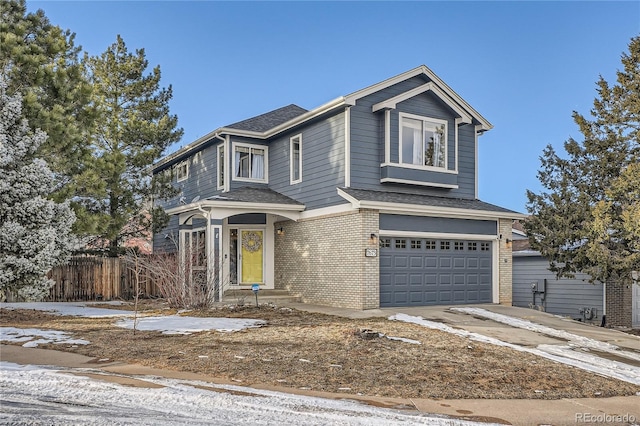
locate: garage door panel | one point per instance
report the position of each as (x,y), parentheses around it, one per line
(416,297)
(459,263)
(460,296)
(445,262)
(416,280)
(419,272)
(459,280)
(416,262)
(485,263)
(400,261)
(473,262)
(445,297)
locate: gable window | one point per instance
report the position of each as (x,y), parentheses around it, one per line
(221,166)
(423,141)
(250,162)
(295,149)
(182,171)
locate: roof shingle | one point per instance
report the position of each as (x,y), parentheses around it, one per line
(269,120)
(255,195)
(423,200)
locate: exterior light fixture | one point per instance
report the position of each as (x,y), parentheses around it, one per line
(280,231)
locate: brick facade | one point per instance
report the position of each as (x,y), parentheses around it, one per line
(619,304)
(505,263)
(323,259)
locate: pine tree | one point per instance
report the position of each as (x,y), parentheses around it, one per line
(133,129)
(588,218)
(40,62)
(34,231)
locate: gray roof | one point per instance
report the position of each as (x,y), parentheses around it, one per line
(255,195)
(424,200)
(269,120)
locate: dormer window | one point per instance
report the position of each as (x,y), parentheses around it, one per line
(182,171)
(423,141)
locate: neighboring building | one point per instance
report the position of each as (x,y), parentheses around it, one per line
(535,286)
(369,200)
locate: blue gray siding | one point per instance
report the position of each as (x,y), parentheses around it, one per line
(367,144)
(562,297)
(166,240)
(392,222)
(323,166)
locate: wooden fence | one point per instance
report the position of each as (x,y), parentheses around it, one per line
(98,278)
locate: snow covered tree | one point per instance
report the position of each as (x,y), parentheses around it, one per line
(588,217)
(34,231)
(41,62)
(133,129)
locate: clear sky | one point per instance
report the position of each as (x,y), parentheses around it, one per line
(525,66)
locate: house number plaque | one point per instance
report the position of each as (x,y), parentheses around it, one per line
(370,252)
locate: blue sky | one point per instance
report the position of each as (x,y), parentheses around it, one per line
(525,66)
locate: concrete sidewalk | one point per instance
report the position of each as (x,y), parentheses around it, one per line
(610,411)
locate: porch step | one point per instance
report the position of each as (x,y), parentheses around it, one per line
(264,296)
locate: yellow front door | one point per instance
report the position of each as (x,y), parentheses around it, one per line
(252,256)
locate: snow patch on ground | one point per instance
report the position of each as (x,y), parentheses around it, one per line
(77,309)
(18,335)
(574,339)
(557,353)
(36,395)
(186,325)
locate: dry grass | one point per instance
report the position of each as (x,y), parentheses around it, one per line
(326,353)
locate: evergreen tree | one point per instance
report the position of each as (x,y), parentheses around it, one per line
(34,231)
(588,218)
(40,61)
(133,129)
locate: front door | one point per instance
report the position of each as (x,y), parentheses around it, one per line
(247,248)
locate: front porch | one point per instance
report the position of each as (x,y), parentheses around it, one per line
(228,241)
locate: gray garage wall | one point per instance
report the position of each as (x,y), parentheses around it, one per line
(564,297)
(394,222)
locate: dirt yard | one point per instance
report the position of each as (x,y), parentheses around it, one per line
(326,353)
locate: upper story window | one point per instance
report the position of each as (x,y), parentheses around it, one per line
(250,162)
(295,149)
(221,166)
(182,171)
(423,141)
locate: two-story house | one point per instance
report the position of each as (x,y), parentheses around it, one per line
(370,200)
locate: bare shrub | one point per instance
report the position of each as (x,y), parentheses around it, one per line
(183,279)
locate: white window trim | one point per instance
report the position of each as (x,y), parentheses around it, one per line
(186,174)
(402,115)
(266,162)
(292,179)
(220,171)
